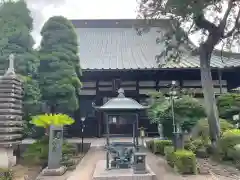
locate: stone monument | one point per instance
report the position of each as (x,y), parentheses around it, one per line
(10,115)
(160,131)
(54,167)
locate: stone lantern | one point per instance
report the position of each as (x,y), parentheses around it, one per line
(10,115)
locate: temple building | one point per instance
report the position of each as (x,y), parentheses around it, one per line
(114,54)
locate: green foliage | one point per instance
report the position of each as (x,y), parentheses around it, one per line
(6,174)
(185,162)
(158,110)
(37,153)
(45,120)
(228,105)
(227,143)
(168,151)
(201,129)
(202,152)
(187,110)
(59,65)
(159,146)
(188,17)
(16,26)
(193,145)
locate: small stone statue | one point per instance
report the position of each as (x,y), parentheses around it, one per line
(11,70)
(160,130)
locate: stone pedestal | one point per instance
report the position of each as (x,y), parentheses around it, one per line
(101,173)
(54,172)
(6,158)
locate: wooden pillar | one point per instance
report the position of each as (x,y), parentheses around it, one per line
(134,134)
(220,80)
(137,89)
(157,86)
(107,142)
(137,132)
(98,114)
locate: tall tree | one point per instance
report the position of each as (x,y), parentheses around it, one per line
(218,21)
(229,105)
(187,110)
(59,65)
(16,26)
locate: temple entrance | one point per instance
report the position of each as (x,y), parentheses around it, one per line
(118,125)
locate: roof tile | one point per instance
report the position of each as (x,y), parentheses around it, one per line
(121,48)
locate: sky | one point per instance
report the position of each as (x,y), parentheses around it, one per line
(79,9)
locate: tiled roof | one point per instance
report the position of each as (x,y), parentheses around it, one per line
(110,46)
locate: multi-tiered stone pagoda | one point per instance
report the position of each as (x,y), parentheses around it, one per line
(10,115)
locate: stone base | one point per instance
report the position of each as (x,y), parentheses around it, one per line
(160,138)
(100,173)
(7,159)
(54,172)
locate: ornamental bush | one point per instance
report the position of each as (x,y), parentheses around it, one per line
(201,129)
(228,142)
(168,151)
(159,146)
(193,145)
(184,162)
(37,153)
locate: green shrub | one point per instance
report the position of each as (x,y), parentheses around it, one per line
(201,129)
(159,146)
(202,152)
(193,145)
(6,174)
(168,151)
(185,162)
(228,142)
(37,153)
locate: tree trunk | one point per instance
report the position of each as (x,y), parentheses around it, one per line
(209,95)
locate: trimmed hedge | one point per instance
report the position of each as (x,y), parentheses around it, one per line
(227,143)
(184,162)
(168,151)
(159,146)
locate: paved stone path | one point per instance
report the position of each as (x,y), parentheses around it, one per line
(164,172)
(85,168)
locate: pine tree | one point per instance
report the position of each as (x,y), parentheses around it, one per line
(15,38)
(59,65)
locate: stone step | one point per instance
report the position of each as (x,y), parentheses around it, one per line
(11,86)
(10,95)
(9,144)
(10,80)
(10,106)
(11,90)
(10,129)
(10,100)
(10,111)
(10,117)
(11,123)
(10,137)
